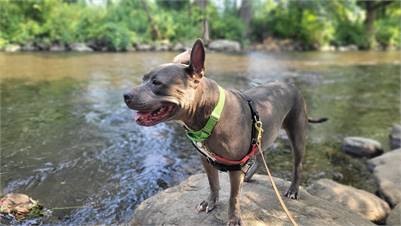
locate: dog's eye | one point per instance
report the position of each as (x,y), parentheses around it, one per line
(156,83)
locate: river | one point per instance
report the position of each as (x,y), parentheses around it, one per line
(69,141)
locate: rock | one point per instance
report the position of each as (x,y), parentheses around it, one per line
(348,48)
(259,206)
(80,47)
(57,48)
(327,48)
(395,136)
(361,147)
(143,47)
(19,205)
(43,46)
(162,47)
(178,47)
(131,48)
(337,176)
(225,45)
(28,47)
(11,48)
(387,171)
(368,205)
(394,218)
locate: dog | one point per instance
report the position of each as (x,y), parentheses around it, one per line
(180,91)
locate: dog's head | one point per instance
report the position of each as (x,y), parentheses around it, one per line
(168,91)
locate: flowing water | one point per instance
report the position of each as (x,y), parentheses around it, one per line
(69,141)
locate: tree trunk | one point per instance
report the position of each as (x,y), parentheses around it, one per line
(205,24)
(155,33)
(245,13)
(369,26)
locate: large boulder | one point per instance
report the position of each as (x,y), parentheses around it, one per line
(361,147)
(259,206)
(394,218)
(367,204)
(387,171)
(395,136)
(225,45)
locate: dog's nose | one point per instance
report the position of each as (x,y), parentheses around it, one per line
(127,97)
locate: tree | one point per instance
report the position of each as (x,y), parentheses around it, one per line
(371,7)
(203,6)
(155,33)
(245,13)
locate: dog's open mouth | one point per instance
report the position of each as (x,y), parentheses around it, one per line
(150,118)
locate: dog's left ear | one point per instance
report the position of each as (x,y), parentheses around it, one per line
(197,61)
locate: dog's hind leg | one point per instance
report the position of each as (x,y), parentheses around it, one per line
(295,125)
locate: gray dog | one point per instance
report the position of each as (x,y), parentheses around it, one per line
(180,91)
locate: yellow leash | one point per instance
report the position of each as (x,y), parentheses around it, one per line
(259,128)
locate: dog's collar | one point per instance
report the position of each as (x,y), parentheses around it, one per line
(206,131)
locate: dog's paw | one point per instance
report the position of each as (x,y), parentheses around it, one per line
(235,221)
(206,206)
(292,193)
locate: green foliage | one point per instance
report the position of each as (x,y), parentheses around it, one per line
(121,23)
(226,25)
(388,27)
(349,33)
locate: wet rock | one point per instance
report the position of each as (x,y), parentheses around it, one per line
(11,48)
(57,48)
(395,136)
(225,45)
(143,47)
(387,172)
(361,147)
(368,205)
(80,47)
(18,205)
(259,206)
(394,218)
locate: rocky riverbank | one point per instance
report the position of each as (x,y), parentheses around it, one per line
(220,45)
(324,202)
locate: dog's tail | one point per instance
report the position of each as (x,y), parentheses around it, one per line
(318,120)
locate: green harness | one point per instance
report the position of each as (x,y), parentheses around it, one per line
(206,131)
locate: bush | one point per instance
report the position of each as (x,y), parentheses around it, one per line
(349,33)
(226,25)
(388,31)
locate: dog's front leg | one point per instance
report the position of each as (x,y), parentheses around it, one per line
(213,177)
(236,178)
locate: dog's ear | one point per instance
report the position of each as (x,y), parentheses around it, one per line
(183,58)
(197,60)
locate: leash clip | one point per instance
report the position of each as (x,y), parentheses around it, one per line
(258,126)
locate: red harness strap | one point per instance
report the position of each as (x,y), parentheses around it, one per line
(225,161)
